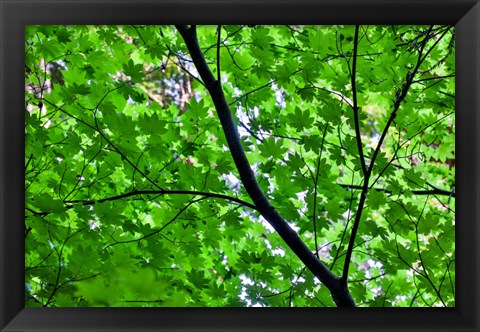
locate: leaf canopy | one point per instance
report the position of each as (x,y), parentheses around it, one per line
(132,197)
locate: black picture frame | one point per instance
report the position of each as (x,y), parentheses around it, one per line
(15,14)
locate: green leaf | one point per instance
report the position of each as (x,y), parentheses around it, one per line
(46,203)
(272,148)
(300,119)
(135,71)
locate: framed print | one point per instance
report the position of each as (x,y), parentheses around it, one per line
(237,165)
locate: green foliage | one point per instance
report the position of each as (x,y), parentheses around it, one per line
(132,197)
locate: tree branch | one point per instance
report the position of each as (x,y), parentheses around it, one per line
(355,105)
(435,191)
(175,217)
(250,92)
(337,287)
(400,96)
(164,192)
(315,193)
(219,35)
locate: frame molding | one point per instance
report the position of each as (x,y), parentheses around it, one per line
(15,14)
